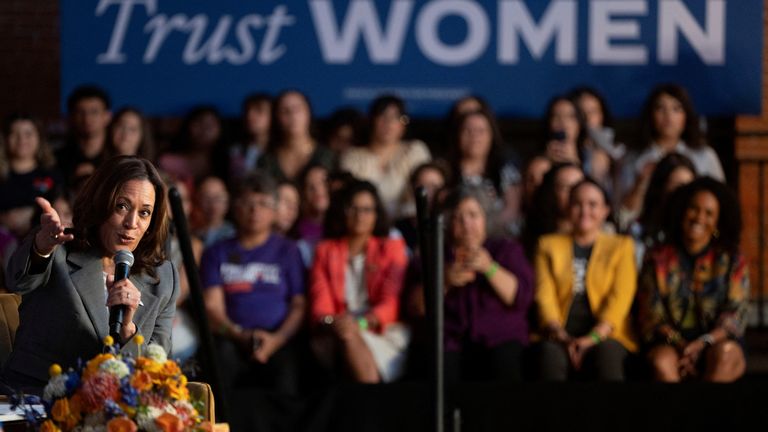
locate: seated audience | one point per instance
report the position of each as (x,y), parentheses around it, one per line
(208,218)
(288,204)
(585,285)
(315,200)
(89,113)
(198,150)
(292,145)
(255,123)
(489,288)
(668,123)
(27,170)
(130,134)
(387,159)
(479,157)
(356,281)
(693,292)
(254,294)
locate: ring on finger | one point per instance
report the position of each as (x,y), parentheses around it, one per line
(55,236)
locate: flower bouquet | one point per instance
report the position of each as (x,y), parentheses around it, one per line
(117,393)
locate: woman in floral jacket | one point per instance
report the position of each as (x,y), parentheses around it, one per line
(693,291)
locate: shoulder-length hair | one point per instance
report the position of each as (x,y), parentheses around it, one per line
(655,203)
(579,92)
(335,225)
(547,123)
(146,148)
(44,155)
(97,202)
(276,133)
(728,221)
(647,131)
(495,159)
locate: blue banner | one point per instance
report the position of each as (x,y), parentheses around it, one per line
(165,56)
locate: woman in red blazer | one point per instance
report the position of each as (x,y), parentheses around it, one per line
(355,287)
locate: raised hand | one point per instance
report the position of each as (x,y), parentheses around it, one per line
(51,232)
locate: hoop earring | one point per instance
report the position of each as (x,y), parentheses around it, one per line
(716,233)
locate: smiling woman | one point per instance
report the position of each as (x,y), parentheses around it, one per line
(694,290)
(68,278)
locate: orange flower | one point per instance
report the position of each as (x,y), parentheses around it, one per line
(168,422)
(170,368)
(49,426)
(64,414)
(121,424)
(149,365)
(95,363)
(141,381)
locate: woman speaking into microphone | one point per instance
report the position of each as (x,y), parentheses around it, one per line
(67,277)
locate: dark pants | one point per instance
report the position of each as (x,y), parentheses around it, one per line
(603,362)
(280,374)
(475,363)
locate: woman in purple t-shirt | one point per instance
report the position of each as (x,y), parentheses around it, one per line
(489,288)
(254,292)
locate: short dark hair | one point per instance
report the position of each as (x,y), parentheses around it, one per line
(255,99)
(96,203)
(691,134)
(257,182)
(381,103)
(728,221)
(335,221)
(88,91)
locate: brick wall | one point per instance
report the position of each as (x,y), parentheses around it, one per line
(751,152)
(29,49)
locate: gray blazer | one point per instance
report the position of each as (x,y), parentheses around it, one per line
(63,314)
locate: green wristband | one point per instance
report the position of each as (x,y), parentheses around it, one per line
(491,270)
(363,323)
(595,337)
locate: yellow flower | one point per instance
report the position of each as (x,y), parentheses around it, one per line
(54,370)
(121,424)
(139,339)
(49,426)
(108,341)
(177,389)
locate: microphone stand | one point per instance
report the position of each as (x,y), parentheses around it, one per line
(208,354)
(430,233)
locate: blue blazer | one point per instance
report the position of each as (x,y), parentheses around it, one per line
(63,314)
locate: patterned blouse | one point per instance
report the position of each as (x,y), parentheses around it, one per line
(680,296)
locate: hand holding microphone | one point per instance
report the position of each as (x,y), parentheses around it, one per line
(123,299)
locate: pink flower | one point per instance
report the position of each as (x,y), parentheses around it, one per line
(98,388)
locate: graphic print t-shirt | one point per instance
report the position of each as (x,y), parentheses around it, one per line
(258,283)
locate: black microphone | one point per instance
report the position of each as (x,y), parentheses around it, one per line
(123,262)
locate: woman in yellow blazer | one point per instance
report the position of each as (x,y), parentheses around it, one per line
(585,286)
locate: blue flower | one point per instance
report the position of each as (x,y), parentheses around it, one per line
(112,409)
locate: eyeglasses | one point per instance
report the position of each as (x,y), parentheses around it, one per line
(355,210)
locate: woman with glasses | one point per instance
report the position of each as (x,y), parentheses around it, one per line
(254,293)
(355,289)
